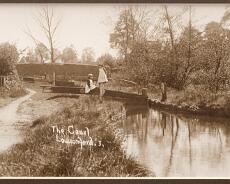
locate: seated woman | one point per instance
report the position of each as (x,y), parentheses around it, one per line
(90,88)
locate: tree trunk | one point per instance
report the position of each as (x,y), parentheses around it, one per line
(163,92)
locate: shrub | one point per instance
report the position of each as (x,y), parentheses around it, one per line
(8,57)
(227,105)
(17,92)
(4,67)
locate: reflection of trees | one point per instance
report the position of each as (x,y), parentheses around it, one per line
(212,127)
(148,119)
(163,129)
(173,142)
(227,133)
(163,120)
(221,144)
(190,146)
(138,124)
(144,127)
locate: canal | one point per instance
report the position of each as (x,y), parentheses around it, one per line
(177,145)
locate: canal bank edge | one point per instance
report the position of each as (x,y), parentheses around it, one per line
(143,99)
(213,110)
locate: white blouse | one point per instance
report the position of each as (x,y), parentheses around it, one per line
(90,87)
(102,76)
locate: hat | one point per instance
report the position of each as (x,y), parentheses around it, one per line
(90,75)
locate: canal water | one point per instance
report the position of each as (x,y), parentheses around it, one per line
(177,146)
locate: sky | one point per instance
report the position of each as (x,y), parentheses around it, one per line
(83,25)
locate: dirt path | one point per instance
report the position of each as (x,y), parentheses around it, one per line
(9,135)
(40,105)
(24,110)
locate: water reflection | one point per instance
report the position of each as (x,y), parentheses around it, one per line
(177,146)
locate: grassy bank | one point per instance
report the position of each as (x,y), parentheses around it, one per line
(11,95)
(193,95)
(41,155)
(194,98)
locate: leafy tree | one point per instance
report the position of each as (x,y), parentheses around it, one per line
(179,54)
(171,26)
(31,57)
(8,58)
(216,54)
(88,55)
(189,45)
(69,55)
(42,52)
(147,62)
(106,59)
(130,28)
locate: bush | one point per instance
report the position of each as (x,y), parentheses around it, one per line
(17,92)
(227,104)
(194,95)
(4,67)
(8,58)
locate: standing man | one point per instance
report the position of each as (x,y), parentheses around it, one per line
(102,79)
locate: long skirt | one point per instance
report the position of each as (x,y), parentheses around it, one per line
(102,88)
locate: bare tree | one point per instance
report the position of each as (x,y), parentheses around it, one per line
(49,24)
(171,22)
(170,31)
(36,42)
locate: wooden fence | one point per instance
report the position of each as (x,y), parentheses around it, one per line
(62,71)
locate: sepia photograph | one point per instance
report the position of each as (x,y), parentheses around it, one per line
(114,90)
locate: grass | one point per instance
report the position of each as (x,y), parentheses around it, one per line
(199,96)
(63,96)
(41,155)
(192,95)
(7,97)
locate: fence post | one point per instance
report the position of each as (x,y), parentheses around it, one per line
(163,92)
(54,78)
(144,92)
